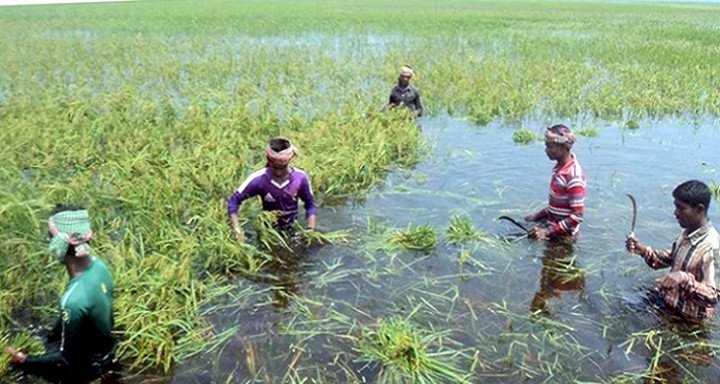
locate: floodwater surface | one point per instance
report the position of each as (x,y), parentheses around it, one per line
(505,309)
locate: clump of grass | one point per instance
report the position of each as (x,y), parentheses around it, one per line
(23,342)
(461,230)
(422,238)
(525,136)
(588,132)
(715,190)
(321,238)
(269,237)
(632,124)
(481,117)
(402,350)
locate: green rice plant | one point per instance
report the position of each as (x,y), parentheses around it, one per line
(525,136)
(632,125)
(402,350)
(461,230)
(23,342)
(588,132)
(421,238)
(314,237)
(152,125)
(269,237)
(715,190)
(481,117)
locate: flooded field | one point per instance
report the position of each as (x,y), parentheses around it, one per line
(151,113)
(502,309)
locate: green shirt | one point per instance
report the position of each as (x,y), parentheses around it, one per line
(86,318)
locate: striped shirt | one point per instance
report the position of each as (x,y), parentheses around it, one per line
(566,201)
(695,254)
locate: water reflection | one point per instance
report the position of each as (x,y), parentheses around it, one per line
(285,272)
(560,273)
(673,346)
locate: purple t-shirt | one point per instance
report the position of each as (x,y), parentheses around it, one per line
(276,197)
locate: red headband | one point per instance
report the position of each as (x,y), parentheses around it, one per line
(281,157)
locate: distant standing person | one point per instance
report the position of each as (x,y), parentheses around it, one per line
(86,309)
(566,203)
(279,186)
(689,288)
(404,93)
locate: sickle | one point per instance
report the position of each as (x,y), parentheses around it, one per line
(634,213)
(510,219)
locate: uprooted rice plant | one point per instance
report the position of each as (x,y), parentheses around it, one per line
(421,238)
(525,136)
(403,353)
(715,190)
(151,113)
(461,230)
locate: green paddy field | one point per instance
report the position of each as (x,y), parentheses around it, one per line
(151,113)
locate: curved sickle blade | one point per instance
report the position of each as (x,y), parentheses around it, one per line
(634,212)
(510,219)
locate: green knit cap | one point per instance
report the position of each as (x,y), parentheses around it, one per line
(70,228)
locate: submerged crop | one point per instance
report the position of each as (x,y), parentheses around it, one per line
(152,123)
(525,136)
(422,238)
(403,352)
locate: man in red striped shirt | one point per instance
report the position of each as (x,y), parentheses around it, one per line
(566,204)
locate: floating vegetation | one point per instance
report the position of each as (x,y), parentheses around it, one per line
(481,117)
(715,190)
(588,132)
(403,352)
(632,124)
(322,238)
(525,136)
(461,230)
(421,238)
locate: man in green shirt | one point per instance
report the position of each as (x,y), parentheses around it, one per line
(86,318)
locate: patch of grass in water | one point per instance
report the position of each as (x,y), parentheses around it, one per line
(632,125)
(525,136)
(402,350)
(421,238)
(461,230)
(315,237)
(715,190)
(588,132)
(481,117)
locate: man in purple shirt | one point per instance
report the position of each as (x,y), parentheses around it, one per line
(279,186)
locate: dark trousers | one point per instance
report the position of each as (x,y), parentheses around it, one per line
(61,372)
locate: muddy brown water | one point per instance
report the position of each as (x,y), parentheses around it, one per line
(517,311)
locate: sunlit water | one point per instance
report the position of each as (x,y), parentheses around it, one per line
(587,304)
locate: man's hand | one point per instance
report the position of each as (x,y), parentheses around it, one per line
(539,233)
(311,223)
(17,356)
(239,235)
(529,218)
(631,242)
(633,245)
(674,280)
